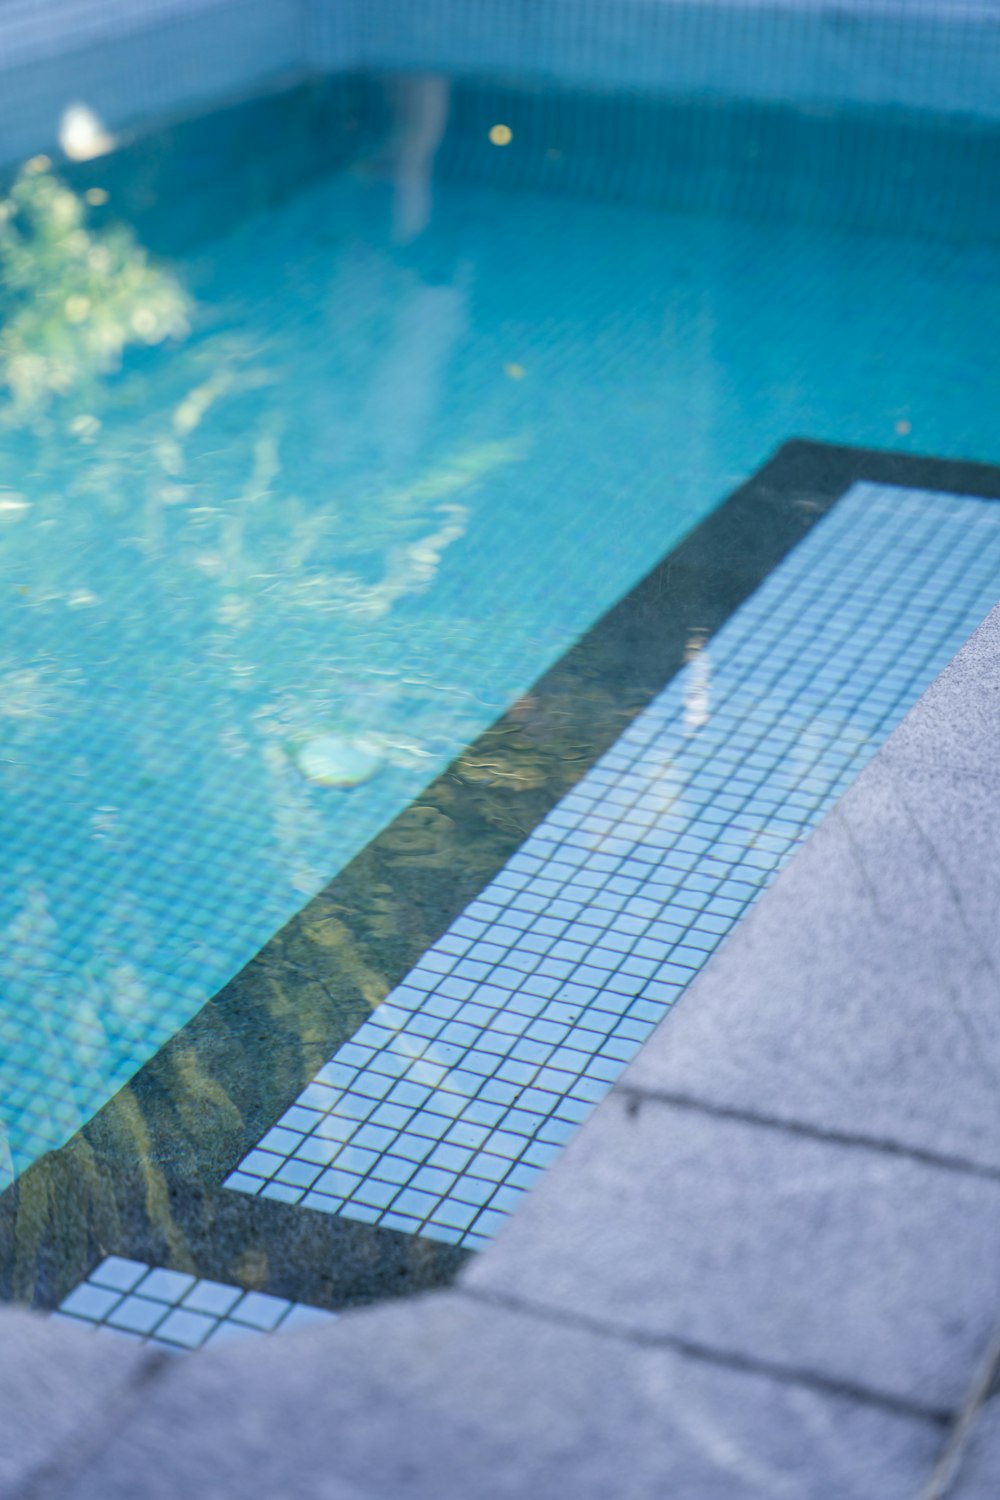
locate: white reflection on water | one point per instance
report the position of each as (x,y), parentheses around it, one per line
(420,105)
(82,135)
(697,686)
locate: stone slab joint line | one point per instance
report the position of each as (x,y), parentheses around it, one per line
(635,1094)
(946,1472)
(709,1354)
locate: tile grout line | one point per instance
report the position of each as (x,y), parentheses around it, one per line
(636,1094)
(708,1354)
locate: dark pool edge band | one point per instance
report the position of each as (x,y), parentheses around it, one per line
(143,1177)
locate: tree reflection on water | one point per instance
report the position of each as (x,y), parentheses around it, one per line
(175,533)
(73,299)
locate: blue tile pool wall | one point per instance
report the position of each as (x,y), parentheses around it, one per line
(942,56)
(155,1305)
(449,1102)
(908,174)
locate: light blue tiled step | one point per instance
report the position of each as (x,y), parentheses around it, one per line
(132,1299)
(449,1102)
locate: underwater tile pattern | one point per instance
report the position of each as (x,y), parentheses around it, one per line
(158,827)
(943,56)
(131,1298)
(450,1101)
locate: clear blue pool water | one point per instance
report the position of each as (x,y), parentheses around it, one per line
(376,479)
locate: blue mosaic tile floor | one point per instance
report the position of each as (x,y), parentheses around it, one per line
(342,504)
(134,1300)
(448,1103)
(158,662)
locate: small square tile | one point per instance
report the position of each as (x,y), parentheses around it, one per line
(300,1174)
(363,1213)
(116,1271)
(322,1202)
(283,1142)
(403,1222)
(375,1194)
(91,1302)
(138,1314)
(212,1297)
(189,1329)
(455,1215)
(281,1192)
(411,1202)
(165,1286)
(243,1182)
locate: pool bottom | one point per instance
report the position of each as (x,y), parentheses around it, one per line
(143,1178)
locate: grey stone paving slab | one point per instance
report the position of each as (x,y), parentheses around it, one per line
(979,1475)
(854,1264)
(955,722)
(863,994)
(60,1389)
(446,1399)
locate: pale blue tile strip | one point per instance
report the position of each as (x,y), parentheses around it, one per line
(133,1299)
(465,1083)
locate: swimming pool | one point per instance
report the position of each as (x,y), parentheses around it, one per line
(407,402)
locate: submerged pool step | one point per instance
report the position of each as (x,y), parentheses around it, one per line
(449,1102)
(131,1299)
